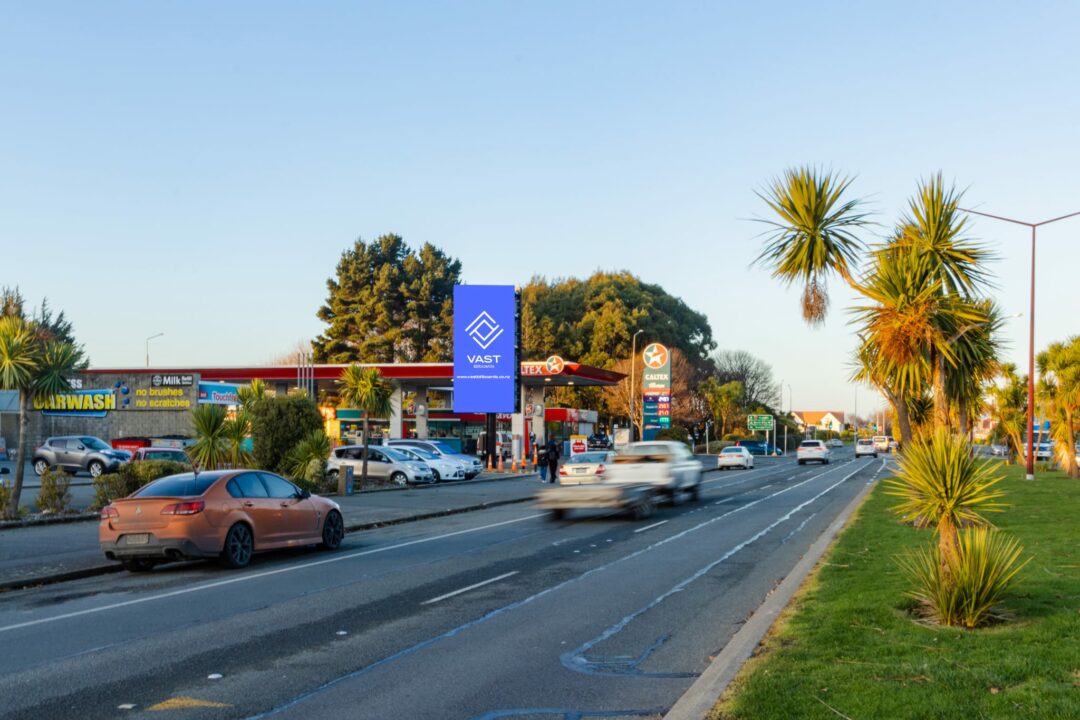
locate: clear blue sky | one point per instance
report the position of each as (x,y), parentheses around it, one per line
(197,168)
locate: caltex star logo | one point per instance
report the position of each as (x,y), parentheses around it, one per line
(655,356)
(554,365)
(484,330)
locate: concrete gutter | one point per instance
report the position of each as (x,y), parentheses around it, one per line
(698,701)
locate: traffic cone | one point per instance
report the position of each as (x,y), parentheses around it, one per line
(514,466)
(501,468)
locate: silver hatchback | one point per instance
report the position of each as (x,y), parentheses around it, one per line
(384,463)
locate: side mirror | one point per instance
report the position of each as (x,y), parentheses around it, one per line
(81,447)
(5,471)
(304,494)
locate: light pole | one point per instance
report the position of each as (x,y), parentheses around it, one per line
(633,364)
(148,347)
(1031,330)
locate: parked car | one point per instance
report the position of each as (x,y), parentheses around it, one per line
(504,444)
(155,453)
(586,467)
(813,451)
(599,441)
(384,463)
(865,446)
(442,468)
(1043,451)
(735,456)
(225,514)
(666,465)
(473,466)
(999,450)
(78,452)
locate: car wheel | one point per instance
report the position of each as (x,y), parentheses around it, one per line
(694,492)
(801,462)
(332,475)
(239,545)
(642,510)
(557,514)
(96,469)
(333,531)
(137,565)
(41,467)
(435,477)
(399,479)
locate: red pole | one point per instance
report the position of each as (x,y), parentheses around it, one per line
(1031,370)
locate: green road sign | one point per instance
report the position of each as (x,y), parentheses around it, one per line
(759,422)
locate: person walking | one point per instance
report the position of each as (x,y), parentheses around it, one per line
(541,460)
(553,454)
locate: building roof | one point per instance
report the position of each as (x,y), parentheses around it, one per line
(814,417)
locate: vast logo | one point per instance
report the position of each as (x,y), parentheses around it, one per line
(484,330)
(655,356)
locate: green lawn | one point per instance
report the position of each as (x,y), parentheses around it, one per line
(848,646)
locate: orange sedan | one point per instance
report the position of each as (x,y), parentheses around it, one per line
(226,514)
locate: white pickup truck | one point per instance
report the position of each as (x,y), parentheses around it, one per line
(642,475)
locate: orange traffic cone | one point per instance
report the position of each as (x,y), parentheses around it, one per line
(501,468)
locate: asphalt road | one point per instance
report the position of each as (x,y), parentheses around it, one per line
(492,614)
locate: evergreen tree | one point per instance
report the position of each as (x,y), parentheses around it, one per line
(389,303)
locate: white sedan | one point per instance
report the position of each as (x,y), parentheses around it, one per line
(734,457)
(442,468)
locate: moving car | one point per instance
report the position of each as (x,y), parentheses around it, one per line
(384,463)
(758,447)
(473,466)
(813,451)
(225,514)
(442,468)
(155,453)
(667,465)
(78,452)
(881,443)
(865,446)
(585,467)
(735,456)
(835,443)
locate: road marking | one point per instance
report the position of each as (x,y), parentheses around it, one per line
(256,576)
(650,527)
(471,587)
(183,703)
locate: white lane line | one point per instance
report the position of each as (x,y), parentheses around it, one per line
(650,527)
(471,587)
(256,576)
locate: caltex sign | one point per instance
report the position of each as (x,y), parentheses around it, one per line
(655,390)
(485,357)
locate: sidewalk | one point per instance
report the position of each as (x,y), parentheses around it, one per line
(51,553)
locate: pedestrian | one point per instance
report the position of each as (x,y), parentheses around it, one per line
(541,459)
(553,454)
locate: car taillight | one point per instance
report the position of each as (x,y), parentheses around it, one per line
(562,471)
(184,508)
(600,469)
(108,512)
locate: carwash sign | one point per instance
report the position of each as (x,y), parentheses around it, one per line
(78,403)
(485,357)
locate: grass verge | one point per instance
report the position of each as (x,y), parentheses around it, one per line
(849,647)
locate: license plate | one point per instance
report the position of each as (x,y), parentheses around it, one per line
(137,539)
(580,471)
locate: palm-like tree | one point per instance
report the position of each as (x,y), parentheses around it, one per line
(251,394)
(814,235)
(37,365)
(1008,406)
(236,432)
(1059,394)
(365,389)
(307,460)
(976,366)
(211,447)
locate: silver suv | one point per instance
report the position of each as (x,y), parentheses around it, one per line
(78,452)
(384,463)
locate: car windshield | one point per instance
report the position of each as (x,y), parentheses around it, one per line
(395,454)
(183,485)
(424,454)
(732,451)
(646,449)
(810,443)
(443,447)
(866,442)
(588,458)
(94,444)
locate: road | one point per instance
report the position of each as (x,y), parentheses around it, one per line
(492,614)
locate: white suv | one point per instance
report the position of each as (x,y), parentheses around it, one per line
(812,451)
(865,446)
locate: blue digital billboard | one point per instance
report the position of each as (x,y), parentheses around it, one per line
(485,357)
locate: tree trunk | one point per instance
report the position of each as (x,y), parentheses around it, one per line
(948,549)
(941,400)
(1066,450)
(962,414)
(363,465)
(900,407)
(12,510)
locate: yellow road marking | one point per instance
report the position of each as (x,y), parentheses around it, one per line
(181,703)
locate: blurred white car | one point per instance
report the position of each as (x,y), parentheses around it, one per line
(813,451)
(835,443)
(731,457)
(666,465)
(865,446)
(586,467)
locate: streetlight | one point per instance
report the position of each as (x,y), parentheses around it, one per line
(148,347)
(1031,331)
(633,362)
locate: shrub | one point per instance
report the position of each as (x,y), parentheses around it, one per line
(132,476)
(5,495)
(966,591)
(53,497)
(278,424)
(674,433)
